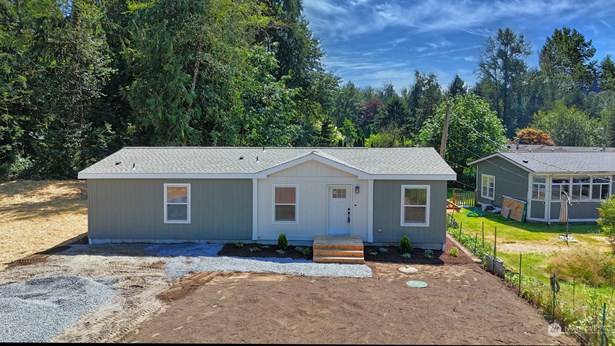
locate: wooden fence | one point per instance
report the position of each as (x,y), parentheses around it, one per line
(464,198)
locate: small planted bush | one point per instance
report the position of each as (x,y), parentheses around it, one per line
(406,255)
(298,249)
(383,249)
(373,253)
(254,249)
(280,252)
(453,252)
(307,251)
(404,245)
(239,244)
(428,254)
(282,242)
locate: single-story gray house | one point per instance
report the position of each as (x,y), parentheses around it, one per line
(228,194)
(541,178)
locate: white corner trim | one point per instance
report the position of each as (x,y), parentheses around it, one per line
(370,211)
(165,204)
(254,209)
(427,206)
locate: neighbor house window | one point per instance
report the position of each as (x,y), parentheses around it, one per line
(558,187)
(176,203)
(285,204)
(415,205)
(538,188)
(581,187)
(600,188)
(488,186)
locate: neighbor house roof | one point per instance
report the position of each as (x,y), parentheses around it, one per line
(559,162)
(540,148)
(249,162)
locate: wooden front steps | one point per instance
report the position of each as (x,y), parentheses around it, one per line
(329,249)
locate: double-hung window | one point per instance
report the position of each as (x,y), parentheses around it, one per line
(487,186)
(415,205)
(581,187)
(558,187)
(176,203)
(538,188)
(285,204)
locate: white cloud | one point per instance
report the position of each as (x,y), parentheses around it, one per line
(606,24)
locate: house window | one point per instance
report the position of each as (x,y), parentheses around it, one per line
(488,186)
(600,188)
(285,204)
(538,188)
(558,187)
(176,203)
(415,205)
(581,187)
(339,193)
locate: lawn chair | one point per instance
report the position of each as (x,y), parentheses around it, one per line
(476,212)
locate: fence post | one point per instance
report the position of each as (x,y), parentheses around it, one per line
(460,230)
(495,247)
(475,241)
(483,236)
(520,261)
(574,285)
(602,332)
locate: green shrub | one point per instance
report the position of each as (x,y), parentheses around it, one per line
(428,254)
(373,253)
(298,249)
(239,244)
(404,245)
(280,252)
(607,220)
(254,249)
(406,255)
(383,249)
(282,242)
(453,252)
(307,251)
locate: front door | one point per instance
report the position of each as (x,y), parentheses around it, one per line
(339,209)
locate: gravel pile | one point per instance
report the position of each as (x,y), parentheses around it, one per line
(39,309)
(180,266)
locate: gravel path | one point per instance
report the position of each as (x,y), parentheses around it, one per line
(39,309)
(180,266)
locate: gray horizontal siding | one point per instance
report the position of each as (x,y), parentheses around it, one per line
(510,180)
(387,214)
(134,209)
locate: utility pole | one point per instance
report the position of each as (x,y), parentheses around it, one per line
(445,130)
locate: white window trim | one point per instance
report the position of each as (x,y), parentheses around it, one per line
(273,204)
(481,186)
(403,222)
(189,203)
(544,188)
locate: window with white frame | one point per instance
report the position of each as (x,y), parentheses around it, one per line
(176,203)
(487,186)
(601,187)
(581,188)
(415,205)
(285,204)
(538,188)
(558,187)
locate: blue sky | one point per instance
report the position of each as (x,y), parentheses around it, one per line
(372,42)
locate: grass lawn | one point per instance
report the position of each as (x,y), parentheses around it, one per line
(543,253)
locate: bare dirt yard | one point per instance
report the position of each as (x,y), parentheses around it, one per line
(37,215)
(462,303)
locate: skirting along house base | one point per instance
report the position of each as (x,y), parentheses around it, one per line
(212,194)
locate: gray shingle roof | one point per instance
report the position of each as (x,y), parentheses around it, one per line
(564,162)
(226,160)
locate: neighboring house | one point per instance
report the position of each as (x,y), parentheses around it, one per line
(226,194)
(541,178)
(540,148)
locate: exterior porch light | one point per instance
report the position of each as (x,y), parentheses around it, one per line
(356,189)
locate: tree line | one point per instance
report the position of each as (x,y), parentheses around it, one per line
(80,79)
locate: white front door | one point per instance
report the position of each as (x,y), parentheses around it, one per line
(339,209)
